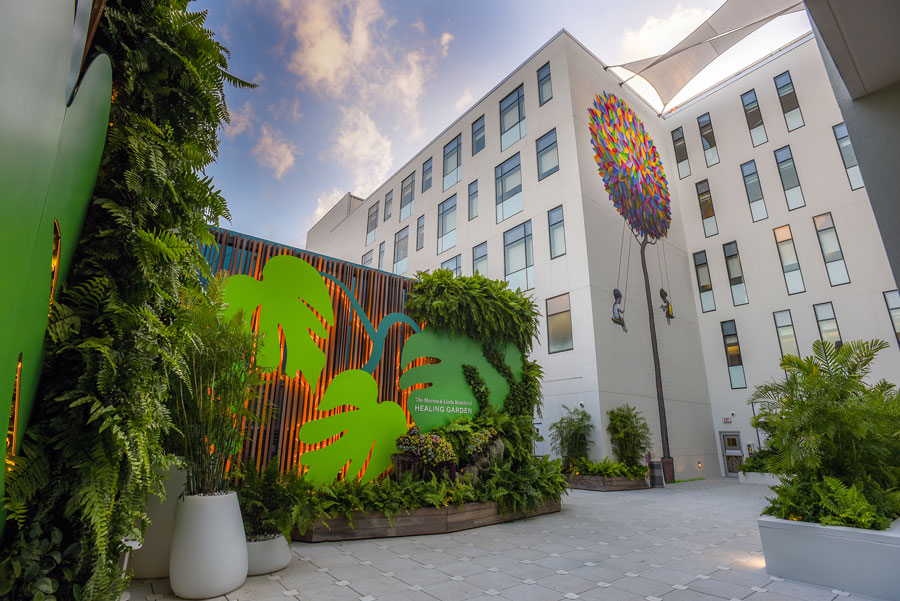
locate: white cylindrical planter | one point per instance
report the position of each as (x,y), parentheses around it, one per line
(209,548)
(265,556)
(152,559)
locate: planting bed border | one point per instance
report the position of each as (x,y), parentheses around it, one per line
(424,520)
(604,484)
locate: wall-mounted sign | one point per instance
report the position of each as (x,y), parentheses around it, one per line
(726,420)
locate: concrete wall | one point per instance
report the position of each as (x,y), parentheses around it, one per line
(859,306)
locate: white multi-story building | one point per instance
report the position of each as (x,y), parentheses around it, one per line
(772,243)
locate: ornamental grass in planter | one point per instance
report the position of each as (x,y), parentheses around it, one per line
(209,549)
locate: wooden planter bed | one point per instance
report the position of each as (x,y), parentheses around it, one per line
(424,520)
(604,484)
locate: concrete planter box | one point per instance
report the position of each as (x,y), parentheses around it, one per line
(604,484)
(759,478)
(424,520)
(850,559)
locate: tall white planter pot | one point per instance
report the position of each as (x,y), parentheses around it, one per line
(152,559)
(209,548)
(269,555)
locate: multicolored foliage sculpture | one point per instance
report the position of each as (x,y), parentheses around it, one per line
(630,166)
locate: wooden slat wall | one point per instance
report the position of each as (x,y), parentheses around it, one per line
(287,403)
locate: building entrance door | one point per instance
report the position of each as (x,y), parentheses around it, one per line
(731,450)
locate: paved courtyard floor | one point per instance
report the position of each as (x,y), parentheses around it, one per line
(694,541)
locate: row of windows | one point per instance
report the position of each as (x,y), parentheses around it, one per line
(787,338)
(790,183)
(518,254)
(512,129)
(829,244)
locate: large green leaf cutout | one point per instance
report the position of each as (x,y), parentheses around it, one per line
(287,294)
(449,395)
(372,427)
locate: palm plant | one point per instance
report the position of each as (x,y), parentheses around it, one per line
(570,436)
(629,434)
(210,396)
(827,424)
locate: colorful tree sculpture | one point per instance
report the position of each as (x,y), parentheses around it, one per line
(634,177)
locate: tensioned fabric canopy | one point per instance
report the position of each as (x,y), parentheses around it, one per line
(736,19)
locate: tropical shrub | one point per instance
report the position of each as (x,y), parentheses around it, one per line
(267,501)
(629,434)
(570,436)
(431,449)
(834,437)
(608,469)
(93,451)
(758,461)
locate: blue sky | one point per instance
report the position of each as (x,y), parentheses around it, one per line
(349,90)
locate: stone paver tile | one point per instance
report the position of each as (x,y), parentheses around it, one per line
(559,563)
(767,596)
(421,576)
(453,590)
(530,592)
(493,580)
(256,587)
(720,588)
(140,590)
(392,563)
(611,594)
(522,571)
(355,572)
(433,558)
(378,587)
(332,593)
(804,592)
(642,586)
(462,568)
(520,553)
(496,561)
(161,587)
(304,579)
(668,575)
(598,573)
(677,595)
(566,583)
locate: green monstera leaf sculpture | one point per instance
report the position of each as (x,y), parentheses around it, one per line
(291,297)
(448,395)
(369,431)
(53,121)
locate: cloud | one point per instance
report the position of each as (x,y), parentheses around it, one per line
(419,25)
(409,85)
(659,34)
(363,149)
(274,151)
(325,202)
(464,101)
(285,109)
(241,121)
(446,38)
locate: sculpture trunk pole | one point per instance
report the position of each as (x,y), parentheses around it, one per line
(668,468)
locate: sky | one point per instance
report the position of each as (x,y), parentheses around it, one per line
(349,90)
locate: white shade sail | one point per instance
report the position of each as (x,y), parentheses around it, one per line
(736,19)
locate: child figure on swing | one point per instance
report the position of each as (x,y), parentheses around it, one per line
(618,310)
(666,306)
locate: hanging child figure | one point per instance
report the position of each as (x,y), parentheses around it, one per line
(666,306)
(618,310)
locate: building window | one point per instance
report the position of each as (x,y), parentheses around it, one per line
(512,118)
(790,264)
(754,191)
(372,224)
(473,200)
(446,236)
(454,265)
(559,324)
(509,188)
(557,232)
(401,250)
(790,181)
(367,258)
(831,250)
(892,298)
(545,90)
(708,137)
(848,156)
(388,203)
(704,282)
(518,260)
(407,196)
(479,259)
(426,175)
(453,162)
(789,104)
(733,355)
(754,118)
(547,157)
(478,135)
(381,256)
(681,155)
(828,325)
(707,211)
(420,232)
(787,339)
(735,274)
